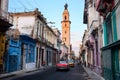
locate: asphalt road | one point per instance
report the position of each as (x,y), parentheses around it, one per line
(76,73)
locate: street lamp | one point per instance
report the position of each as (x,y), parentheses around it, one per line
(51,23)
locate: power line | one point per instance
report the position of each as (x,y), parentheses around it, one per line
(25,6)
(29,4)
(36,2)
(22,5)
(12,9)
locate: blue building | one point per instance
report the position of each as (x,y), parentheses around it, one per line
(20,54)
(13,54)
(28,52)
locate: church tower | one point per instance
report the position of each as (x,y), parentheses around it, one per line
(66,27)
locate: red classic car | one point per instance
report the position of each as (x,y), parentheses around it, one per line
(62,65)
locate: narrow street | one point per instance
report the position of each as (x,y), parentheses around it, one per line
(37,38)
(76,73)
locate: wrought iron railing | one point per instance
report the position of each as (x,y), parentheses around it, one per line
(94,25)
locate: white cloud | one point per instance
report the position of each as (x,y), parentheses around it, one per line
(75,41)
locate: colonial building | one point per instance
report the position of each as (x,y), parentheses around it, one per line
(20,52)
(13,51)
(59,41)
(64,53)
(94,40)
(85,56)
(51,46)
(110,11)
(32,24)
(66,28)
(35,43)
(5,23)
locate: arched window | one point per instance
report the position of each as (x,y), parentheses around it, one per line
(65,17)
(65,25)
(65,32)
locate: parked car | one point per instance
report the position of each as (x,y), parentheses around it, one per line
(62,65)
(71,63)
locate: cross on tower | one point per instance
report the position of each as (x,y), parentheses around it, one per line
(66,5)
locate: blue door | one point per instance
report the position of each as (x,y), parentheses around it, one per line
(13,63)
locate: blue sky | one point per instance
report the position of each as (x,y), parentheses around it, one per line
(52,10)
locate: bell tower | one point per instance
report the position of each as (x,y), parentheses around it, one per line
(66,27)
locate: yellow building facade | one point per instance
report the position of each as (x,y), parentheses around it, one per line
(2,49)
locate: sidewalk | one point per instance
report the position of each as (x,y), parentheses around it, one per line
(92,74)
(16,73)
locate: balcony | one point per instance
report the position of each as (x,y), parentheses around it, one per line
(49,44)
(93,27)
(104,6)
(89,44)
(5,21)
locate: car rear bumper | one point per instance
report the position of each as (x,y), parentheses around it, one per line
(62,68)
(71,65)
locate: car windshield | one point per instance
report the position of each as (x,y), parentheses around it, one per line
(70,61)
(62,62)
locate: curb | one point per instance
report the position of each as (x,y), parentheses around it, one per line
(93,75)
(15,73)
(11,74)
